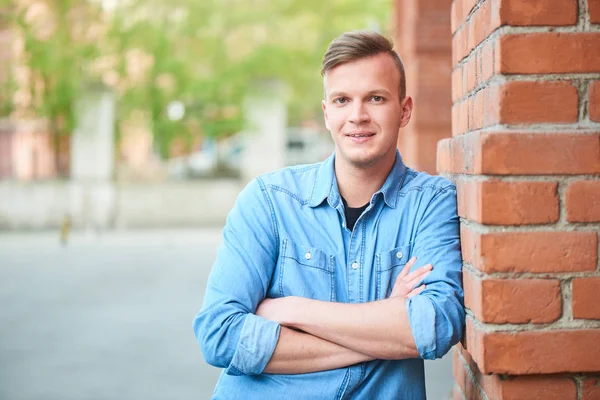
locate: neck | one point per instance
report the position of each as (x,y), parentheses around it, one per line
(358,184)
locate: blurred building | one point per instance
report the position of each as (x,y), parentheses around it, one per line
(423,42)
(26,151)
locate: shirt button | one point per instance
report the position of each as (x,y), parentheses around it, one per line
(355,265)
(399,254)
(307,256)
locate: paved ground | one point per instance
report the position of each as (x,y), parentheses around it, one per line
(109,317)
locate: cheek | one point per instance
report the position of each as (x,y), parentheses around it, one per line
(335,120)
(390,121)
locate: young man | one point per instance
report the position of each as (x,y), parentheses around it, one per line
(315,293)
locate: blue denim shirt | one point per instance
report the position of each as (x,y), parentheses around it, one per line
(286,236)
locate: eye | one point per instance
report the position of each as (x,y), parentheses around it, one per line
(377,99)
(340,100)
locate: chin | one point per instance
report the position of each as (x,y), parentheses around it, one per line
(363,161)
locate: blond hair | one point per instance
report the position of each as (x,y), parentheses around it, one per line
(355,45)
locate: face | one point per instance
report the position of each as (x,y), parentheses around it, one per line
(363,111)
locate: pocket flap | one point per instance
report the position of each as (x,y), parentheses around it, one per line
(393,258)
(306,255)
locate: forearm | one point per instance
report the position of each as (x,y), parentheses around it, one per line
(379,329)
(299,352)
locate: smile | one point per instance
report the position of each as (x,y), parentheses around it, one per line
(360,135)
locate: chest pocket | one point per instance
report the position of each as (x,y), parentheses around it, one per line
(306,271)
(389,265)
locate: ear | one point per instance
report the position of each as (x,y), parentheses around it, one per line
(407,107)
(324,107)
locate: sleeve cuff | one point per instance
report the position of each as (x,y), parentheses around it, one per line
(421,316)
(255,347)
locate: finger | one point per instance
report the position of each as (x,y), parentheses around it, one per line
(407,267)
(416,291)
(418,272)
(415,281)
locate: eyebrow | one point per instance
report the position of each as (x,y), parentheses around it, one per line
(370,93)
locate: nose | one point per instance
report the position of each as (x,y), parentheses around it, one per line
(358,113)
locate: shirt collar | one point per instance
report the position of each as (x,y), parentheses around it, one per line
(325,186)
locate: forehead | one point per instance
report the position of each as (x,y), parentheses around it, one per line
(364,75)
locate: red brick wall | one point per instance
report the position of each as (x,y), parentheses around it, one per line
(424,43)
(525,156)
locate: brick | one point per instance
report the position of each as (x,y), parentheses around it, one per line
(487,62)
(491,96)
(495,20)
(539,252)
(457,83)
(591,389)
(472,116)
(455,119)
(594,11)
(471,24)
(479,22)
(455,51)
(538,388)
(535,387)
(464,80)
(470,243)
(582,200)
(471,73)
(478,75)
(535,252)
(500,301)
(538,12)
(538,154)
(594,101)
(478,110)
(520,153)
(474,382)
(530,102)
(586,300)
(548,52)
(451,156)
(468,6)
(473,391)
(455,15)
(460,44)
(497,202)
(463,116)
(534,352)
(458,370)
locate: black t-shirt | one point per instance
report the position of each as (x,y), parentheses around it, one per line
(352,214)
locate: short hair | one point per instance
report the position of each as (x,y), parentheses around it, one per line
(355,45)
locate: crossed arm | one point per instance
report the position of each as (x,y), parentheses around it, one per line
(335,335)
(240,331)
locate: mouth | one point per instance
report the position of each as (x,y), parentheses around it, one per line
(360,135)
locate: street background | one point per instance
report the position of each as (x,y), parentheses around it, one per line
(109,317)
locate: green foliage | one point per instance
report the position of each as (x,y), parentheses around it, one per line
(57,56)
(208,54)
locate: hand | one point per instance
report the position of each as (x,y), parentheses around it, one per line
(405,282)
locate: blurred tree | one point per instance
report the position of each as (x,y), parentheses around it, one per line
(157,55)
(58,41)
(210,54)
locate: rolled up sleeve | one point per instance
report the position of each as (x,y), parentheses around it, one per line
(437,315)
(229,334)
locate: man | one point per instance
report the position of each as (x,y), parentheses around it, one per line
(311,295)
